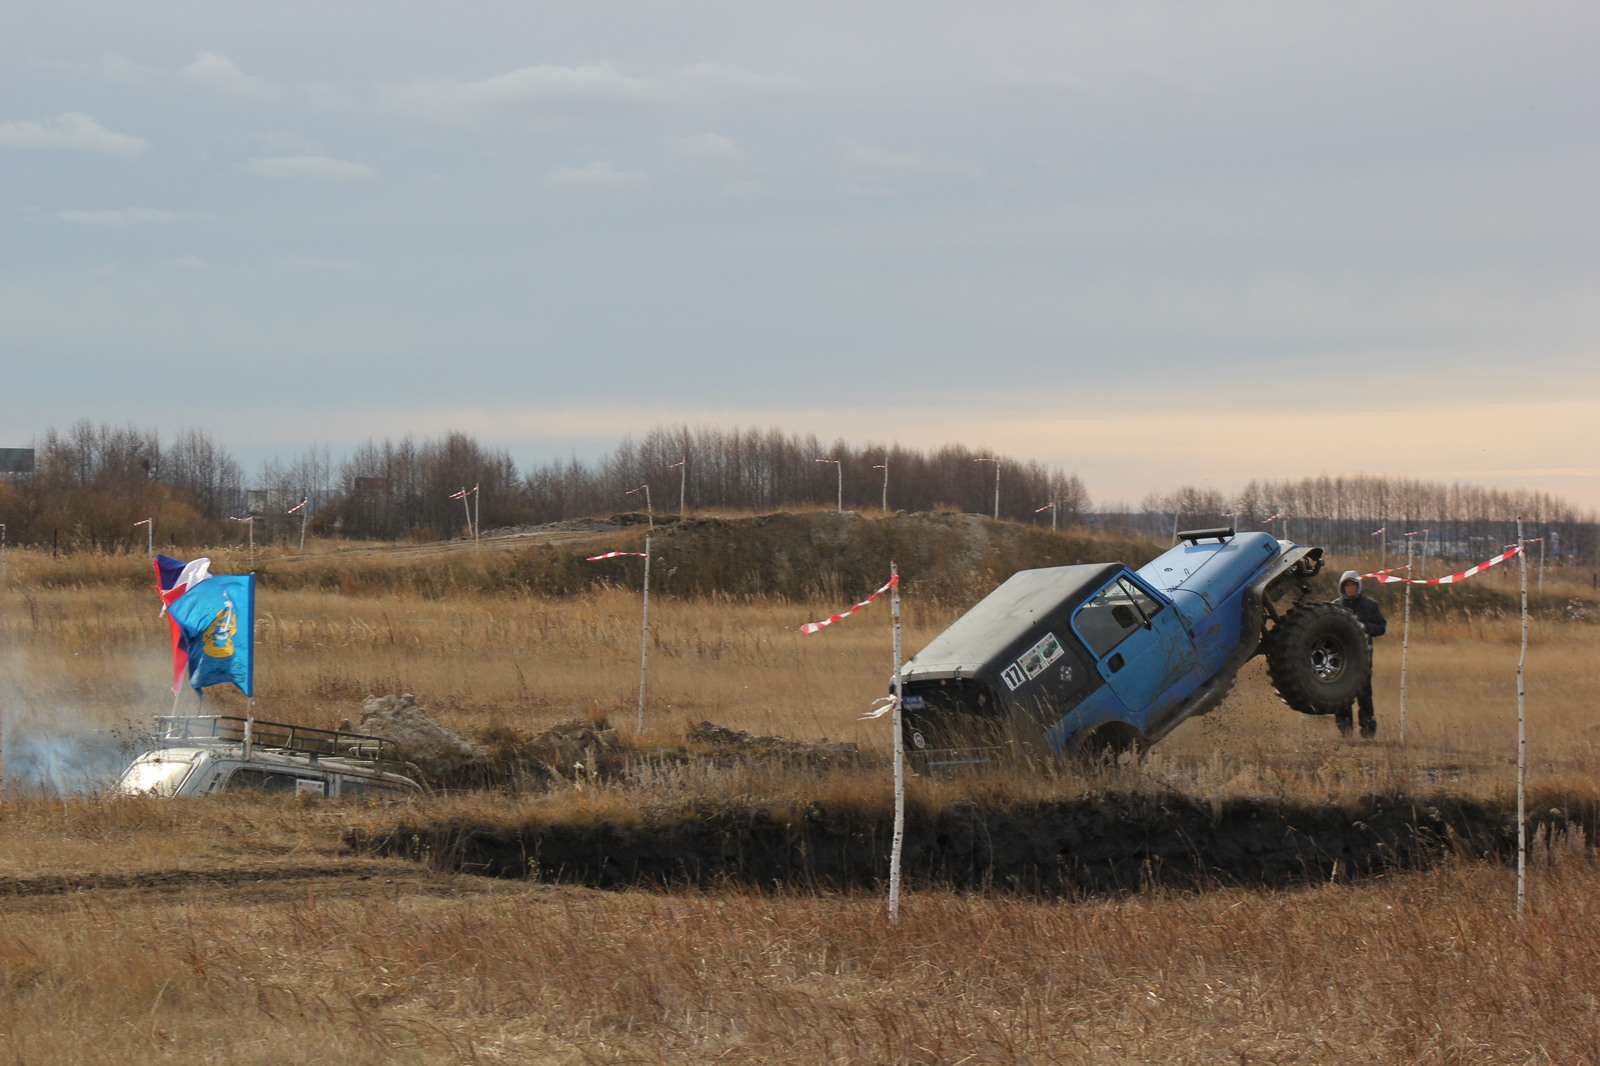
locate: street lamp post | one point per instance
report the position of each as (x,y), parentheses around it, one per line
(839,466)
(1175,516)
(996,463)
(683,481)
(885,468)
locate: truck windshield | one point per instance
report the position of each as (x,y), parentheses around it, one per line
(161,774)
(1116,610)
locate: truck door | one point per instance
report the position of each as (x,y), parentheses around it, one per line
(1140,644)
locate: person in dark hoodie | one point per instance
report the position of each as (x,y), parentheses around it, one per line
(1366,609)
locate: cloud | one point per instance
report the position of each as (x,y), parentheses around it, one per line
(316,264)
(867,161)
(220,72)
(189,262)
(707,147)
(745,190)
(598,175)
(73,131)
(542,89)
(113,67)
(309,167)
(131,216)
(725,76)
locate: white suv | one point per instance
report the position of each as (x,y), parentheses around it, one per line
(201,755)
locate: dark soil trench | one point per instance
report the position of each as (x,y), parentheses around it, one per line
(1101,844)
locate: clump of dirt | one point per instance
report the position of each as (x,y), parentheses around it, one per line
(443,755)
(580,747)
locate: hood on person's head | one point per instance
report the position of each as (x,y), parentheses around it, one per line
(1349,575)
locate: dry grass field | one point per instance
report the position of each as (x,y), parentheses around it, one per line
(245,930)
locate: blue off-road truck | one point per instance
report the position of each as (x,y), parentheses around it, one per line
(1100,659)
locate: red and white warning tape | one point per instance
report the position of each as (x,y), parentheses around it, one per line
(612,555)
(1386,576)
(813,627)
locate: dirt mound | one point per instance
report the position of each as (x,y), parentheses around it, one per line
(723,741)
(955,557)
(441,753)
(580,747)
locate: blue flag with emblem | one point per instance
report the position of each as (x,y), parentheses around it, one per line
(217,618)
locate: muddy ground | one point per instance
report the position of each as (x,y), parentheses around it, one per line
(1101,844)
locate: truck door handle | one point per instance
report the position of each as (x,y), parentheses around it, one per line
(1115,662)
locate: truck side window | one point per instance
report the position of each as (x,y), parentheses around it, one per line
(1116,610)
(270,781)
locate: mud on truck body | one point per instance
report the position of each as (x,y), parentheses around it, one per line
(1100,658)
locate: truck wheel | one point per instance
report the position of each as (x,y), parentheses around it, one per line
(1319,658)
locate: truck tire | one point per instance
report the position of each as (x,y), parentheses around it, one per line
(1319,658)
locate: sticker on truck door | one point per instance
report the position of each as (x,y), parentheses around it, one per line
(1032,662)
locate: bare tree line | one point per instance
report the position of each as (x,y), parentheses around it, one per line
(1369,514)
(92,483)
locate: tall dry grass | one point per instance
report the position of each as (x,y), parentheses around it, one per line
(1412,969)
(135,930)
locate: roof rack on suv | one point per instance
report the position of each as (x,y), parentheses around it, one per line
(304,740)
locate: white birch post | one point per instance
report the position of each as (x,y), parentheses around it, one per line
(1522,740)
(644,624)
(1405,642)
(896,849)
(466,509)
(250,523)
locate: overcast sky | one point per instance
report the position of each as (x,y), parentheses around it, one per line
(1156,244)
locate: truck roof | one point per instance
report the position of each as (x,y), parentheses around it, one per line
(1023,602)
